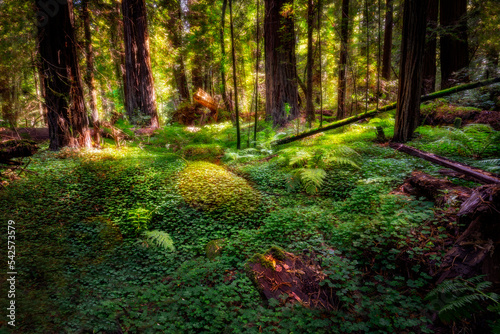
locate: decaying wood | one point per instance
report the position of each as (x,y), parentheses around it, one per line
(278,273)
(437,190)
(478,174)
(16,149)
(474,252)
(205,100)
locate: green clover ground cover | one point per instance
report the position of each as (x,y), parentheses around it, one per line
(86,265)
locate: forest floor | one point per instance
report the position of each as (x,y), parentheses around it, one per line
(155,236)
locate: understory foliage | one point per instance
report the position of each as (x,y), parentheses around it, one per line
(139,240)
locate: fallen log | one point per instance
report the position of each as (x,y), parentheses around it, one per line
(16,149)
(388,107)
(475,173)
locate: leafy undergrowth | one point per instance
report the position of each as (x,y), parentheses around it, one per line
(137,240)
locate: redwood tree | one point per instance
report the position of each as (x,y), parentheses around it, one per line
(410,73)
(89,76)
(281,71)
(310,62)
(344,37)
(429,74)
(454,45)
(63,94)
(140,99)
(386,57)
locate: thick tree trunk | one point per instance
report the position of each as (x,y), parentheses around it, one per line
(281,71)
(429,74)
(410,80)
(89,77)
(454,45)
(140,99)
(175,28)
(344,37)
(67,118)
(310,61)
(386,57)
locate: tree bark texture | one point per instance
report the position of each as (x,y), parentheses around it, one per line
(429,75)
(89,77)
(140,99)
(175,27)
(344,38)
(223,56)
(454,45)
(281,71)
(310,61)
(67,117)
(233,53)
(410,77)
(386,55)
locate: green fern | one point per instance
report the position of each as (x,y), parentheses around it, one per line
(310,165)
(461,298)
(490,165)
(160,239)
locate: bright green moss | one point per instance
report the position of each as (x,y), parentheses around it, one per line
(209,152)
(213,188)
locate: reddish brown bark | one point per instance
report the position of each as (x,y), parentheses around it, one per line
(67,118)
(344,37)
(281,72)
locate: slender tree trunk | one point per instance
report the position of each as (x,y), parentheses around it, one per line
(140,99)
(367,54)
(410,80)
(223,56)
(454,44)
(281,71)
(310,61)
(257,62)
(386,57)
(320,66)
(344,39)
(429,75)
(67,118)
(89,77)
(238,139)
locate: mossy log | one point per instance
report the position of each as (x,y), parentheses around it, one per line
(16,149)
(388,107)
(475,173)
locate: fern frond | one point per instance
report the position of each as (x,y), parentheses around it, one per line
(160,239)
(300,158)
(312,178)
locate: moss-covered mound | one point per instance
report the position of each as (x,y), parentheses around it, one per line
(209,152)
(213,188)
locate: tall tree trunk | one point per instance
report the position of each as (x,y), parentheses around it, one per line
(175,28)
(309,91)
(386,57)
(281,71)
(223,57)
(344,39)
(454,44)
(140,99)
(89,77)
(238,139)
(429,75)
(410,78)
(67,118)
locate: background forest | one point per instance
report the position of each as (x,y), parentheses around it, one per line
(250,166)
